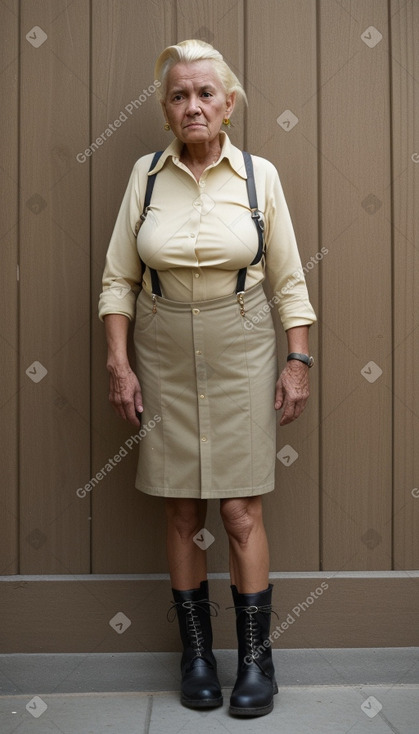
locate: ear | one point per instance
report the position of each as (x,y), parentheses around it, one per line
(163,106)
(230,103)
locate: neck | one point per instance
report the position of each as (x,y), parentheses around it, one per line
(202,153)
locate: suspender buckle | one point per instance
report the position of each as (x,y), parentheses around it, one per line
(140,222)
(154,299)
(256,216)
(240,300)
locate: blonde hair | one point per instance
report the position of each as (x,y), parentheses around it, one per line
(196,50)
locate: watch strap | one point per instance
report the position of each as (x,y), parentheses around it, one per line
(309,361)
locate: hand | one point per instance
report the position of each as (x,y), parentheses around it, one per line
(292,391)
(125,393)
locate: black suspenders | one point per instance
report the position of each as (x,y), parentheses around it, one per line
(155,285)
(253,203)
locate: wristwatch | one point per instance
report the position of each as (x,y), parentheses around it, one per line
(309,361)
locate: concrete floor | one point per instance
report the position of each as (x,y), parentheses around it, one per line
(320,692)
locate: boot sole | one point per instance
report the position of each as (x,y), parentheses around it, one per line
(260,711)
(255,711)
(206,703)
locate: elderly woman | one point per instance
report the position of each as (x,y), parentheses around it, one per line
(187,258)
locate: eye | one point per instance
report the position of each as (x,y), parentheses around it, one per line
(206,94)
(177,97)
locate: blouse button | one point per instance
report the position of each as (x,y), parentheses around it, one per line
(204,438)
(198,351)
(196,275)
(195,311)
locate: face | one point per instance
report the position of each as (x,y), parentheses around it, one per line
(196,102)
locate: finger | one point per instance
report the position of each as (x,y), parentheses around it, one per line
(288,413)
(292,411)
(135,422)
(138,400)
(130,413)
(138,405)
(279,396)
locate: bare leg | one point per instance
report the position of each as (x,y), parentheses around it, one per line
(200,686)
(187,561)
(249,552)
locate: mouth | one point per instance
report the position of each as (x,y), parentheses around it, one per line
(195,124)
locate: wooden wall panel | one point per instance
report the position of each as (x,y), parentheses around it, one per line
(281,79)
(125,44)
(54,298)
(356,285)
(220,23)
(9,235)
(346,614)
(405,149)
(130,519)
(348,71)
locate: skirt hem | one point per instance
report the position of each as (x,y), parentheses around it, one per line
(224,494)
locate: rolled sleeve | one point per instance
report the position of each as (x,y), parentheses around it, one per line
(123,272)
(283,263)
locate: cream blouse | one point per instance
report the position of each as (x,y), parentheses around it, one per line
(197,236)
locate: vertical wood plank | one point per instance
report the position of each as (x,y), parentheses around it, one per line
(9,123)
(356,293)
(126,523)
(405,99)
(54,301)
(280,78)
(220,23)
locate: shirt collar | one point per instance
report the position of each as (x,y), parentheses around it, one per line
(229,151)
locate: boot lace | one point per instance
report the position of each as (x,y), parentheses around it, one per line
(193,624)
(252,630)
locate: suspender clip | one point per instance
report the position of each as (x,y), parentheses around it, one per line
(240,300)
(256,216)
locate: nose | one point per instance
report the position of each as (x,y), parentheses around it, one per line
(193,106)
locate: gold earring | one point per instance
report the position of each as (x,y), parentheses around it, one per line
(166,126)
(226,122)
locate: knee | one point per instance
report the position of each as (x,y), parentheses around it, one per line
(241,517)
(184,517)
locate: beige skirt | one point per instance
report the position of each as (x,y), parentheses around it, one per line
(208,378)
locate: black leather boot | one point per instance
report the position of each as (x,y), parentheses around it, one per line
(255,685)
(200,685)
